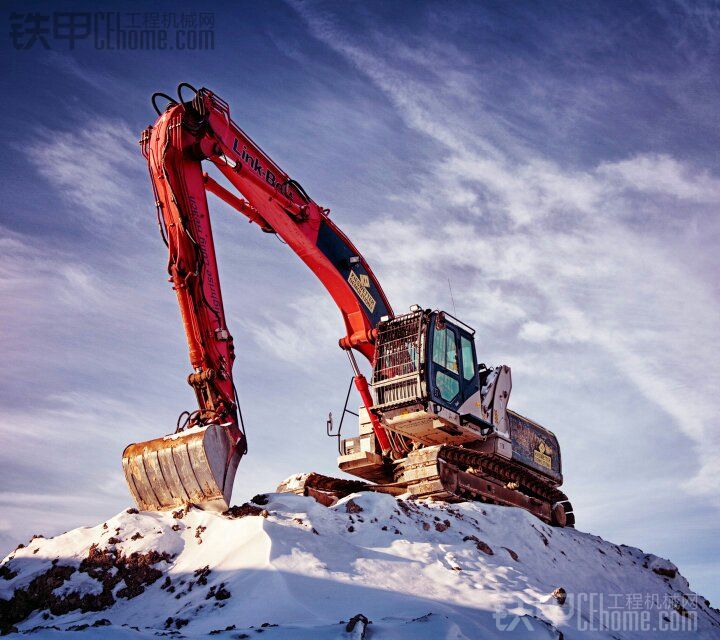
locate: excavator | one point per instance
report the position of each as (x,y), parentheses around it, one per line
(434,423)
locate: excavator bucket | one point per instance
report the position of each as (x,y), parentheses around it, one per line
(193,467)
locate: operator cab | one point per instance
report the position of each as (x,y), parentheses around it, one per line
(426,381)
(452,366)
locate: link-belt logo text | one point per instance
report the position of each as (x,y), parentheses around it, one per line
(255,165)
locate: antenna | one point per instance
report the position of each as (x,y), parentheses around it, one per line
(451,297)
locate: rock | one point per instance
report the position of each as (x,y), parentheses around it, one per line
(442,526)
(6,573)
(202,575)
(358,623)
(222,593)
(102,622)
(667,572)
(660,566)
(481,546)
(104,565)
(245,510)
(560,595)
(513,555)
(352,507)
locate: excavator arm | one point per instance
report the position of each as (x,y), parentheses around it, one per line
(198,464)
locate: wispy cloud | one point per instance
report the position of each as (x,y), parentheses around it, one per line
(94,167)
(295,340)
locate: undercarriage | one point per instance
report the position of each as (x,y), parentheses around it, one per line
(453,474)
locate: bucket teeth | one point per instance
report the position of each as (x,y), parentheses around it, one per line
(193,467)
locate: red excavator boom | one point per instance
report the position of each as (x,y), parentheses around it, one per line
(185,134)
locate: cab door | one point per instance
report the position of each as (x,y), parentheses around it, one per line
(452,366)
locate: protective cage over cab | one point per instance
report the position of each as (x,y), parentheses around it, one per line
(425,379)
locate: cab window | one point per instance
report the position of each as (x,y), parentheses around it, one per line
(445,349)
(468,358)
(448,386)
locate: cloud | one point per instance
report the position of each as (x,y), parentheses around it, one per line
(296,340)
(534,331)
(69,66)
(96,168)
(664,175)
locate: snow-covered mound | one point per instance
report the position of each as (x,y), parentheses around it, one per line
(286,567)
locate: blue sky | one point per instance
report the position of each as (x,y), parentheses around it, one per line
(558,163)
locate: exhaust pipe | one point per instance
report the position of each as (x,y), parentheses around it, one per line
(194,467)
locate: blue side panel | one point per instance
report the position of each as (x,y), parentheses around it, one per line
(362,284)
(535,447)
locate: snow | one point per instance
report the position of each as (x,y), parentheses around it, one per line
(198,428)
(294,482)
(186,432)
(415,569)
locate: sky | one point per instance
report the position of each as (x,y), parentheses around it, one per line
(557,163)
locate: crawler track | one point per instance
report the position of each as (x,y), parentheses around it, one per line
(454,474)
